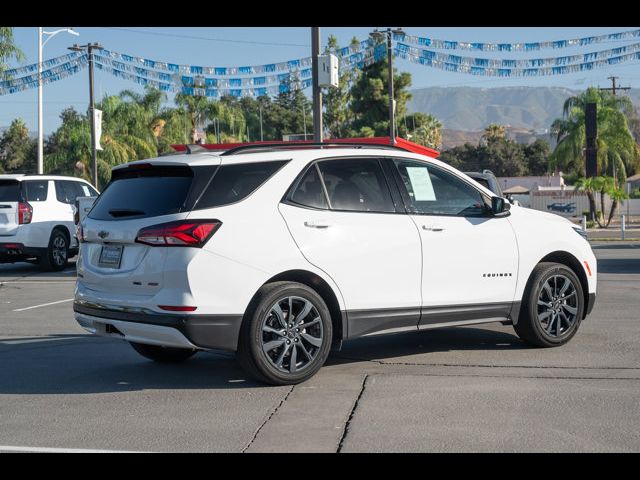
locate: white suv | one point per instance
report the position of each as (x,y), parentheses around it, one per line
(36,218)
(281,253)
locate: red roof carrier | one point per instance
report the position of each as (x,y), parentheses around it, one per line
(400,143)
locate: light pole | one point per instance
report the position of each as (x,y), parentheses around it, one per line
(94,154)
(378,35)
(41,44)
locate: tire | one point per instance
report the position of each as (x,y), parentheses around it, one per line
(539,324)
(163,354)
(56,257)
(263,328)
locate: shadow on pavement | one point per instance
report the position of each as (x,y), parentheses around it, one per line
(82,364)
(425,342)
(90,365)
(31,269)
(619,265)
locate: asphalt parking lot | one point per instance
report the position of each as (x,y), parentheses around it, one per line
(472,388)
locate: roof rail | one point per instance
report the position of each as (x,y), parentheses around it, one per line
(297,145)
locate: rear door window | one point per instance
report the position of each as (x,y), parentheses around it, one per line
(232,183)
(9,191)
(357,185)
(36,190)
(143,193)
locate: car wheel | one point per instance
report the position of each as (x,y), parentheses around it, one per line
(286,334)
(552,306)
(57,255)
(163,354)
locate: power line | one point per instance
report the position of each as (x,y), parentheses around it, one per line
(211,39)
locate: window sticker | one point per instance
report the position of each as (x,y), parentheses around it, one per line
(421,183)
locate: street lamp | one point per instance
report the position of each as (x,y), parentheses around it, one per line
(378,36)
(41,44)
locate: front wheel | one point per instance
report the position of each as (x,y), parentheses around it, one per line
(286,334)
(552,306)
(163,354)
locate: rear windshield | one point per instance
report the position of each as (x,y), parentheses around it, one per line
(143,192)
(9,191)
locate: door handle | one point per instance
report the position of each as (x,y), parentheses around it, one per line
(433,228)
(316,224)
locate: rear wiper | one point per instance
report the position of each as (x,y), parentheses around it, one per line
(124,212)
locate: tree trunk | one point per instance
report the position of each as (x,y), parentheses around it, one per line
(601,209)
(592,206)
(614,205)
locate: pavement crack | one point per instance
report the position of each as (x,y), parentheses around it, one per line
(255,435)
(351,414)
(469,365)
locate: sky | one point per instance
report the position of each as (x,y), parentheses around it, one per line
(236,46)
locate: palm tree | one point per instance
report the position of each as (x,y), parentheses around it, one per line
(494,132)
(429,133)
(590,186)
(618,152)
(617,195)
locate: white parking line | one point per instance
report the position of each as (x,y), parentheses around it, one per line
(8,449)
(43,305)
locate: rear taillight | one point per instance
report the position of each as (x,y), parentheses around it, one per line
(185,233)
(25,213)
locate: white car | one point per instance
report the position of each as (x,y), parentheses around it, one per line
(281,253)
(36,218)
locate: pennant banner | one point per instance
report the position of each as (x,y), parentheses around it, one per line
(287,66)
(522,63)
(49,78)
(45,74)
(9,74)
(516,72)
(515,47)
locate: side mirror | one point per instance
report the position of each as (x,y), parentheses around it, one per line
(499,206)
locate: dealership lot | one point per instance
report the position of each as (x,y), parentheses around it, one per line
(472,388)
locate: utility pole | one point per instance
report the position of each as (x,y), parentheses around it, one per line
(261,136)
(614,87)
(90,47)
(317,93)
(378,35)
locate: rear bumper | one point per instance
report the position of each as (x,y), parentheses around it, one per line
(185,331)
(15,252)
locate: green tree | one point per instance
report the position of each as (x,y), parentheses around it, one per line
(370,98)
(17,149)
(8,48)
(536,157)
(618,153)
(338,115)
(617,196)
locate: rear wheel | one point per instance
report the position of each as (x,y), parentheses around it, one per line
(286,334)
(57,255)
(552,307)
(163,354)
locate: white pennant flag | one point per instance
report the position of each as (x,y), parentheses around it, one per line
(97,122)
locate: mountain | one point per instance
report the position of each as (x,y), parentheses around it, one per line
(471,109)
